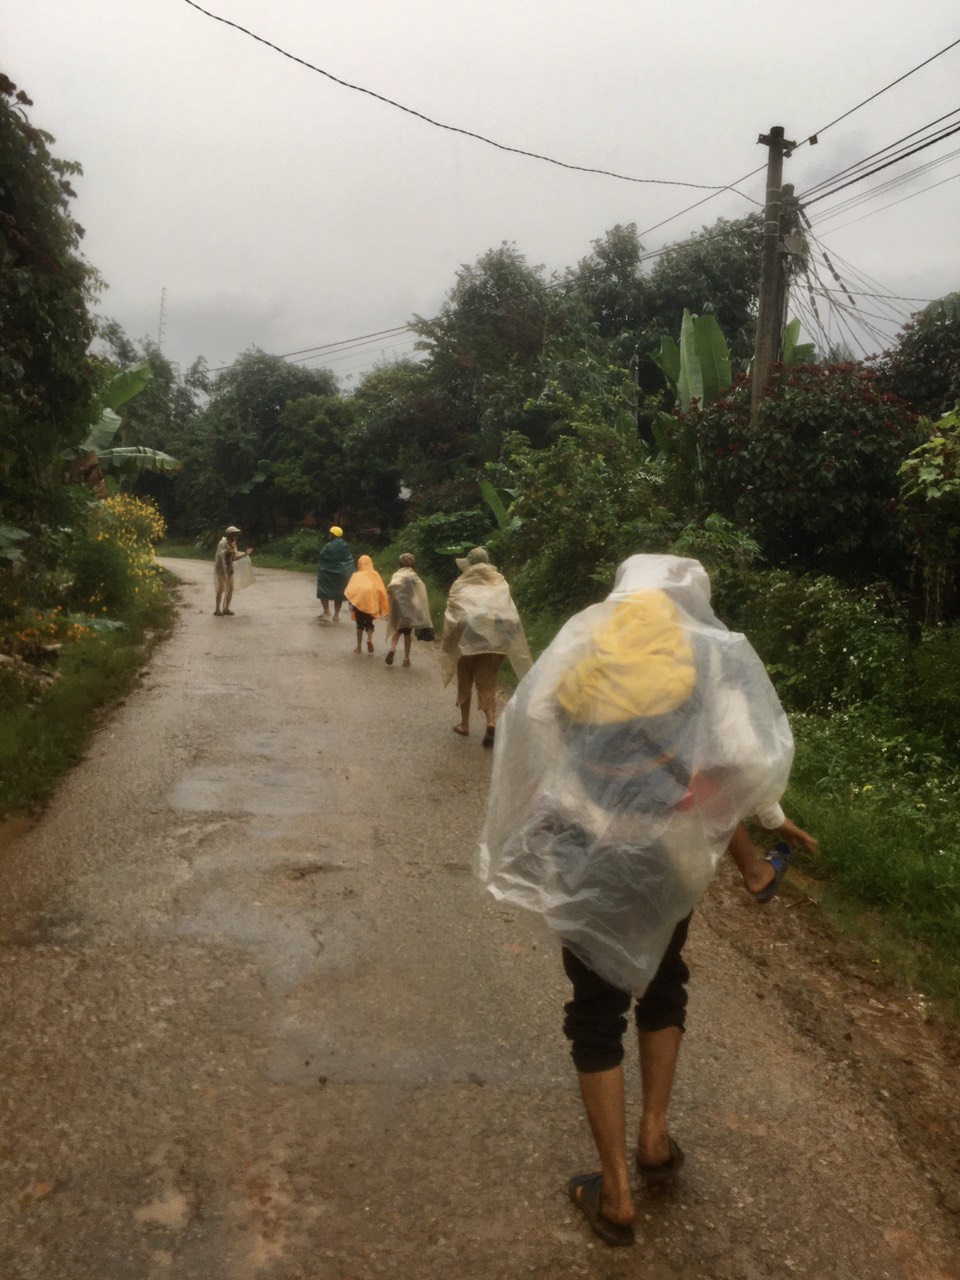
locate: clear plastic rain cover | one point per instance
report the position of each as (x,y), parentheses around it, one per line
(625,759)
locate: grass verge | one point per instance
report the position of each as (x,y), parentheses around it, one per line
(41,737)
(883,804)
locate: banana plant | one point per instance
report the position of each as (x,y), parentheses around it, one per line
(795,352)
(98,461)
(698,368)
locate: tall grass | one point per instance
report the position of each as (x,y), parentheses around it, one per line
(882,801)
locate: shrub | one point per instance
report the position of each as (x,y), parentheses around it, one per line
(824,645)
(816,480)
(110,560)
(435,538)
(583,505)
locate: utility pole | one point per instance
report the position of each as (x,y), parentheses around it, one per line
(163,317)
(770,308)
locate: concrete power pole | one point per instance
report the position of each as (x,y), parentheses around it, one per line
(770,308)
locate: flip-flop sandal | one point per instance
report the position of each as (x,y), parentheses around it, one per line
(589,1185)
(658,1175)
(390,657)
(488,737)
(779,858)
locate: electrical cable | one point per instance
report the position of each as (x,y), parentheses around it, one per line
(947,133)
(884,188)
(811,138)
(875,154)
(953,177)
(438,124)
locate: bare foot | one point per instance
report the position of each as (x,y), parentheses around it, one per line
(459,728)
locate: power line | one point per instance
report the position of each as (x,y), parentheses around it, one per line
(438,124)
(933,185)
(851,168)
(812,138)
(891,184)
(903,155)
(327,346)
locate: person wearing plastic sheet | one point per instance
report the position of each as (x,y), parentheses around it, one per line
(368,600)
(409,608)
(333,573)
(227,555)
(625,764)
(481,627)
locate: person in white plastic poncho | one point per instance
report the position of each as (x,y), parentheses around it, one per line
(625,765)
(481,627)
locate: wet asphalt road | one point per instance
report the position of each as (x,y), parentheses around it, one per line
(257,1021)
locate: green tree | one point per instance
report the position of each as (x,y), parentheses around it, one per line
(923,366)
(239,437)
(930,503)
(582,505)
(716,272)
(607,290)
(48,386)
(816,482)
(483,351)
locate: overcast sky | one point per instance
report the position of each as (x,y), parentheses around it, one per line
(281,210)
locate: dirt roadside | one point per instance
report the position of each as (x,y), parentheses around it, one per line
(257,1021)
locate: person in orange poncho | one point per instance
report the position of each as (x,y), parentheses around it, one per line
(368,600)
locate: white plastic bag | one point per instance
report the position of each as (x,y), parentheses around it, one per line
(243,575)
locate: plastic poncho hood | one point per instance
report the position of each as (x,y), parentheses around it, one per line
(624,761)
(366,591)
(481,617)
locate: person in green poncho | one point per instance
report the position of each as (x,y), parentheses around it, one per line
(333,573)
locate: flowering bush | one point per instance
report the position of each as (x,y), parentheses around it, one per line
(111,562)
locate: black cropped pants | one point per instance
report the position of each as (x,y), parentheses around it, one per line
(595,1019)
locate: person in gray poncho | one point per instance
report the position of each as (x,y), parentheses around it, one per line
(409,608)
(481,627)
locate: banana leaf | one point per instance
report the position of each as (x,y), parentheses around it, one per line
(667,360)
(714,357)
(690,381)
(131,459)
(796,352)
(125,385)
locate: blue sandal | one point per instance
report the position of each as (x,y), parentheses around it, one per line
(618,1234)
(779,858)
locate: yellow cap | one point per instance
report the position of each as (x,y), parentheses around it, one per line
(336,531)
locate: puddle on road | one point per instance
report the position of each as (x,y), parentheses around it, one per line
(275,790)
